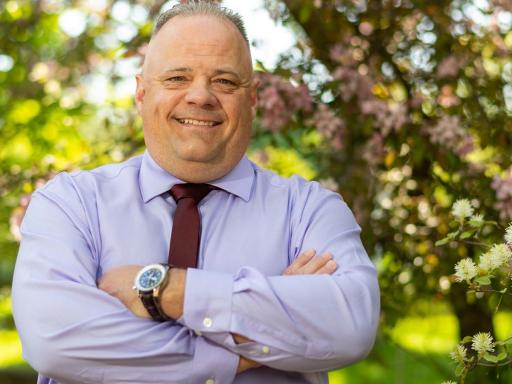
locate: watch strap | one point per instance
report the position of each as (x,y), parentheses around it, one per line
(149,302)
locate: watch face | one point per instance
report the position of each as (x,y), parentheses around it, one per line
(150,277)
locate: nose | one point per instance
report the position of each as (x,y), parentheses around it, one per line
(200,95)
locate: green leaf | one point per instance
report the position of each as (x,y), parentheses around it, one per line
(466,234)
(444,241)
(466,339)
(502,356)
(454,224)
(483,280)
(476,223)
(490,358)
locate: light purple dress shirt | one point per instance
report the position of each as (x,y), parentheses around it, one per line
(84,223)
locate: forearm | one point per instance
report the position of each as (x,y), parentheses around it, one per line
(297,323)
(75,344)
(172,305)
(76,333)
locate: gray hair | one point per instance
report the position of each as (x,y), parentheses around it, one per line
(201,7)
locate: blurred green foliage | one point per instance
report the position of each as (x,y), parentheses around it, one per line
(400,106)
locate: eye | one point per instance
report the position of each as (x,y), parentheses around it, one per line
(225,82)
(176,79)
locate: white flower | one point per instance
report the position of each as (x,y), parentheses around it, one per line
(465,269)
(482,342)
(478,218)
(500,254)
(486,262)
(459,355)
(462,208)
(449,382)
(508,234)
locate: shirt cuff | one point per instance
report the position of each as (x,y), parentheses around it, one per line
(251,349)
(208,301)
(223,363)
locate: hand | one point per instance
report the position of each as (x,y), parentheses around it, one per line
(309,264)
(118,282)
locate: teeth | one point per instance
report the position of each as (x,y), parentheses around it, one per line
(197,122)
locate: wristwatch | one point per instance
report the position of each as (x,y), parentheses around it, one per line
(149,284)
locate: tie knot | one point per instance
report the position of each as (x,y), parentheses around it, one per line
(194,191)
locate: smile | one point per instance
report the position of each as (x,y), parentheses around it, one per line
(206,123)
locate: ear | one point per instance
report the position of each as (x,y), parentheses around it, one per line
(254,96)
(139,93)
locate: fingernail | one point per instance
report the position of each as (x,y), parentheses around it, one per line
(331,264)
(327,255)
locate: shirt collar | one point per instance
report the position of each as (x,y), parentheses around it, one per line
(155,180)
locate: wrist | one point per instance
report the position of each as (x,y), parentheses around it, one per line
(149,284)
(173,294)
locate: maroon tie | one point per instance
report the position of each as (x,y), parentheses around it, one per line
(186,227)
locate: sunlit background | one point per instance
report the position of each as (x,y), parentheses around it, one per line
(402,107)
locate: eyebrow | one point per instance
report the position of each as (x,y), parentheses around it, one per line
(220,71)
(180,69)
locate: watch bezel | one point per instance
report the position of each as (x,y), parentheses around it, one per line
(161,267)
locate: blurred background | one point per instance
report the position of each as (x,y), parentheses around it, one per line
(401,106)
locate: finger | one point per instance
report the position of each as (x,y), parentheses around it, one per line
(299,262)
(316,264)
(329,268)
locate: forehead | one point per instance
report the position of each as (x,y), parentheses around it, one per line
(198,40)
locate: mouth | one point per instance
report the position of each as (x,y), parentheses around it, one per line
(197,122)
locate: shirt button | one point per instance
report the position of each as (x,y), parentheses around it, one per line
(210,381)
(198,333)
(207,322)
(265,349)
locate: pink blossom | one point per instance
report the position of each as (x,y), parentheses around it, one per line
(275,115)
(374,150)
(447,99)
(387,117)
(352,83)
(278,100)
(503,188)
(416,100)
(366,28)
(449,133)
(329,125)
(341,54)
(505,4)
(449,67)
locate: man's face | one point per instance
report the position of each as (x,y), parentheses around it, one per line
(197,97)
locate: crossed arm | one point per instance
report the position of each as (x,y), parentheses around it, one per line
(118,282)
(76,333)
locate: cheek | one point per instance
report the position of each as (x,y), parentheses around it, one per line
(239,110)
(158,105)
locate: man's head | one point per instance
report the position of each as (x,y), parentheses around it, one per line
(196,93)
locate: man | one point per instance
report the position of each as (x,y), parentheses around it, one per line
(283,290)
